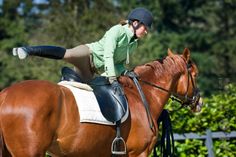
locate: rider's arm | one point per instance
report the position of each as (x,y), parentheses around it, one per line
(109,49)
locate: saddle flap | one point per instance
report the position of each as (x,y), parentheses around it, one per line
(113,106)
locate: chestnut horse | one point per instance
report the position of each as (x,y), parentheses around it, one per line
(39,116)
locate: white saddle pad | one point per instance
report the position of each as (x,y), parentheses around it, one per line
(87,104)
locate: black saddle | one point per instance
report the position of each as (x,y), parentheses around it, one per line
(69,74)
(112,105)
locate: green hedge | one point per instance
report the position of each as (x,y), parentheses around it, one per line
(218,114)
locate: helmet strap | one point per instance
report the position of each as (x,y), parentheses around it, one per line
(135,27)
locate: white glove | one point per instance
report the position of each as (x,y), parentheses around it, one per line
(20,52)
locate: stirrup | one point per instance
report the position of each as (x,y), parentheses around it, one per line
(118,146)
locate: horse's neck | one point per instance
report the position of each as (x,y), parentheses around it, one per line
(164,78)
(160,75)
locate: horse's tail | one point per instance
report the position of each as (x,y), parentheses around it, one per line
(3,149)
(167,138)
(3,95)
(2,143)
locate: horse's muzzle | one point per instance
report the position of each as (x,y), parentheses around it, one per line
(197,102)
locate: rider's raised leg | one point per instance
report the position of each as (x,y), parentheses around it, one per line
(80,57)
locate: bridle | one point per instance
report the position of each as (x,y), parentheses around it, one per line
(184,100)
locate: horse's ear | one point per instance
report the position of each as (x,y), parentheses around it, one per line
(186,54)
(170,53)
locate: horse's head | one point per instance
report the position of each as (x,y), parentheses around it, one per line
(186,89)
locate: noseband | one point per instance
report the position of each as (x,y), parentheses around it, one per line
(185,100)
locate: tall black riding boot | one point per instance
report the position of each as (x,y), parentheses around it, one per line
(53,52)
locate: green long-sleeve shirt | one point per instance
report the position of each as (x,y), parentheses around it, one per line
(112,51)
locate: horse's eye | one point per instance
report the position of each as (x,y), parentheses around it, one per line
(189,66)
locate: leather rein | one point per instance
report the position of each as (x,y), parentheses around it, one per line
(184,100)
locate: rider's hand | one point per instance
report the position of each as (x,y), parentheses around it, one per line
(116,87)
(20,52)
(112,79)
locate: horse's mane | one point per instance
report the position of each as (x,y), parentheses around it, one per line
(169,66)
(166,67)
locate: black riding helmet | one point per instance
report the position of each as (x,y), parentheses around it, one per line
(142,15)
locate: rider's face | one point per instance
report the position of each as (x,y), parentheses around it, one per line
(141,31)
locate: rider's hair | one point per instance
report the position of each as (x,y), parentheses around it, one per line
(123,22)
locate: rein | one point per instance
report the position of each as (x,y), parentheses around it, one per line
(174,96)
(184,100)
(134,76)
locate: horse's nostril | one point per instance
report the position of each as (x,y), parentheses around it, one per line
(200,102)
(199,105)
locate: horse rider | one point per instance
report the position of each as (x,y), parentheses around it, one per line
(107,56)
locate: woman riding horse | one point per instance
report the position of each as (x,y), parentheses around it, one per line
(106,57)
(39,116)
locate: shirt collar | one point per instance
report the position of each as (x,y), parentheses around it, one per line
(129,32)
